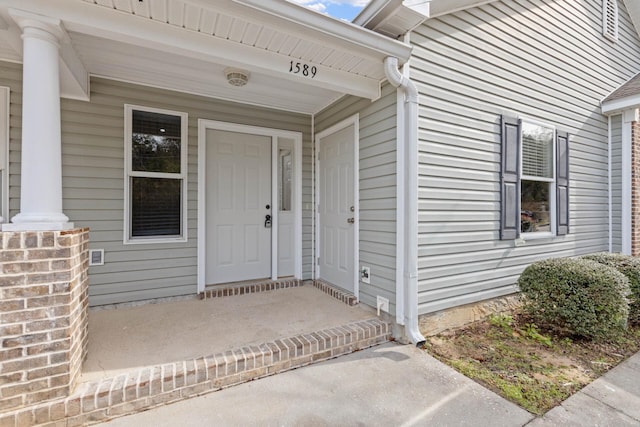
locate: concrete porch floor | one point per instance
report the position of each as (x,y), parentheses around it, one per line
(151,355)
(129,338)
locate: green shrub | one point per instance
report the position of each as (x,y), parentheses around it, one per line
(576,297)
(630,267)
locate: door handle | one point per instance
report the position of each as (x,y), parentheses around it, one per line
(267,221)
(351,220)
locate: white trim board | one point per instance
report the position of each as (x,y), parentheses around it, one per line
(5,96)
(203,126)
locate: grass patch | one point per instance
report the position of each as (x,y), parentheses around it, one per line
(510,355)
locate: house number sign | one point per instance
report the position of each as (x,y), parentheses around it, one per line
(302,68)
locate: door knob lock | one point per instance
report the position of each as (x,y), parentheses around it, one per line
(267,221)
(351,220)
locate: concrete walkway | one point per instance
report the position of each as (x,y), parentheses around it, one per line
(392,385)
(387,385)
(611,400)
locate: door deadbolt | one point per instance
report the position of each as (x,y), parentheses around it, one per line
(352,209)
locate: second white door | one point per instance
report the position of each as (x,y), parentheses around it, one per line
(238,201)
(337,210)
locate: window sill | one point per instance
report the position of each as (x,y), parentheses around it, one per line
(154,240)
(536,236)
(524,238)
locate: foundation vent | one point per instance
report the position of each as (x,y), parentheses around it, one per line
(96,257)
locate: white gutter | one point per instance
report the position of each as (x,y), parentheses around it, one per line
(410,235)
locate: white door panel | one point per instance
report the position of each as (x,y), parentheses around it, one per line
(238,244)
(337,208)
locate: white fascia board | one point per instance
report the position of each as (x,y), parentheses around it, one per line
(74,78)
(379,11)
(445,7)
(345,31)
(422,7)
(372,11)
(618,106)
(107,23)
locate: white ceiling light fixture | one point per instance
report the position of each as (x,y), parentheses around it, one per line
(237,77)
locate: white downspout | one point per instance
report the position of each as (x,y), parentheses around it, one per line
(609,141)
(410,143)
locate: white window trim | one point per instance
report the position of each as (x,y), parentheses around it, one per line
(605,27)
(128,173)
(4,152)
(552,181)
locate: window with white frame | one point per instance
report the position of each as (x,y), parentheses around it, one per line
(156,175)
(534,183)
(610,19)
(537,191)
(4,154)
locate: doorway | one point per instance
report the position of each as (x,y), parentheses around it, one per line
(337,188)
(245,174)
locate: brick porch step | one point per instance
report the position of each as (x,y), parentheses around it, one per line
(158,385)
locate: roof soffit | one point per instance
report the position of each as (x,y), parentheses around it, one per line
(348,60)
(395,18)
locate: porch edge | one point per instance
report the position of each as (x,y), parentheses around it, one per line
(162,384)
(339,294)
(242,288)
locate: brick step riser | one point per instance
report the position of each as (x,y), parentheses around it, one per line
(155,386)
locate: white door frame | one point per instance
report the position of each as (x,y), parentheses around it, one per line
(353,120)
(203,126)
(4,153)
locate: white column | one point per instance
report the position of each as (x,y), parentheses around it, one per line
(41,171)
(628,117)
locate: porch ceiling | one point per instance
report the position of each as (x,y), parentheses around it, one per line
(186,45)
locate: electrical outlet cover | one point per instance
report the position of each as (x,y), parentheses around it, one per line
(365,275)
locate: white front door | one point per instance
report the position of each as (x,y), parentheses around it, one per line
(337,211)
(238,199)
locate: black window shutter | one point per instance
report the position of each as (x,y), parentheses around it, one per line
(562,183)
(510,179)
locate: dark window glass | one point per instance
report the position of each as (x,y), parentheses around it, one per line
(155,142)
(535,215)
(156,205)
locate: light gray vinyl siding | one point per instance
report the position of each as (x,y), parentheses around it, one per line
(377,187)
(93,186)
(540,60)
(616,183)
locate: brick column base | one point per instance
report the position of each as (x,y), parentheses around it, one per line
(635,189)
(43,314)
